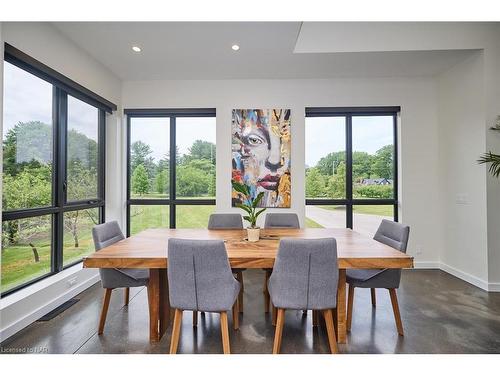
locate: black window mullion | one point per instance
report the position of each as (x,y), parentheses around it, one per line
(55,178)
(348,169)
(395,166)
(60,160)
(128,177)
(172,171)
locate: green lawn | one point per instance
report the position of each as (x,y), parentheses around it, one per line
(144,217)
(312,224)
(379,210)
(18,261)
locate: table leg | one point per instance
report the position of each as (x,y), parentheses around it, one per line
(341,308)
(159,307)
(164,303)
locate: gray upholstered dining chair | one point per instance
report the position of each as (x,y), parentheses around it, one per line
(229,221)
(277,220)
(112,278)
(394,235)
(305,277)
(282,220)
(200,279)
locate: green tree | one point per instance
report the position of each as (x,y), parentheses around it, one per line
(361,165)
(336,183)
(328,164)
(140,180)
(202,150)
(140,153)
(315,183)
(383,162)
(161,182)
(27,144)
(192,182)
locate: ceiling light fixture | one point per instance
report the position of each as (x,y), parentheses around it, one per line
(235,47)
(136,49)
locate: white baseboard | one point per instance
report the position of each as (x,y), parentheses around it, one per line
(471,279)
(494,287)
(39,311)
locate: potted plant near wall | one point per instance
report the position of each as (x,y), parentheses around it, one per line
(494,159)
(249,205)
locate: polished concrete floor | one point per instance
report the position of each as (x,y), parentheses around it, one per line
(441,314)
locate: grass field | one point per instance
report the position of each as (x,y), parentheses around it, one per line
(144,217)
(18,261)
(379,210)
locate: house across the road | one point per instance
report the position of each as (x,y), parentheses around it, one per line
(376,181)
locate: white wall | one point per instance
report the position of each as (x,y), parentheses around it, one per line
(44,43)
(492,100)
(418,133)
(463,190)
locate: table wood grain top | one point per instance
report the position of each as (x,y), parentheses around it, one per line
(148,249)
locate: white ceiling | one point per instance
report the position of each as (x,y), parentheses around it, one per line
(184,50)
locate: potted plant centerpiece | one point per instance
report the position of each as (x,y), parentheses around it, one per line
(249,205)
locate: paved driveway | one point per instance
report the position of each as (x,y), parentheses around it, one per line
(363,223)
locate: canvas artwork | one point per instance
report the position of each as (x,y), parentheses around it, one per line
(261,146)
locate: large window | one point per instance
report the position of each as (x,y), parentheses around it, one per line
(351,167)
(53,171)
(165,191)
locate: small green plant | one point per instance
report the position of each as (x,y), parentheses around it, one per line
(494,159)
(249,204)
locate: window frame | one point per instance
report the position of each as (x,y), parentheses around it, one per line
(172,201)
(61,88)
(348,113)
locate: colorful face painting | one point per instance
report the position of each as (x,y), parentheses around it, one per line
(261,154)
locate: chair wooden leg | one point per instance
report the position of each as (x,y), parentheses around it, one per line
(279,331)
(267,297)
(225,332)
(275,314)
(195,318)
(176,330)
(239,277)
(236,315)
(350,302)
(374,299)
(127,295)
(395,308)
(104,311)
(332,338)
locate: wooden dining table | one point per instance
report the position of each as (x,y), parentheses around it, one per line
(148,249)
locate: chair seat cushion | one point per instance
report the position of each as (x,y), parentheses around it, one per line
(135,273)
(123,277)
(374,278)
(361,275)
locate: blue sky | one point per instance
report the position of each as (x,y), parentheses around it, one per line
(327,134)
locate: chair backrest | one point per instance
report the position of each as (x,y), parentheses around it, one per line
(393,234)
(106,234)
(305,274)
(199,275)
(288,220)
(225,221)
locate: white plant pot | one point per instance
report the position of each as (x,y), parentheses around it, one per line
(253,234)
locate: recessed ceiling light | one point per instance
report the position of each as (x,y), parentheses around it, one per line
(235,47)
(136,49)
